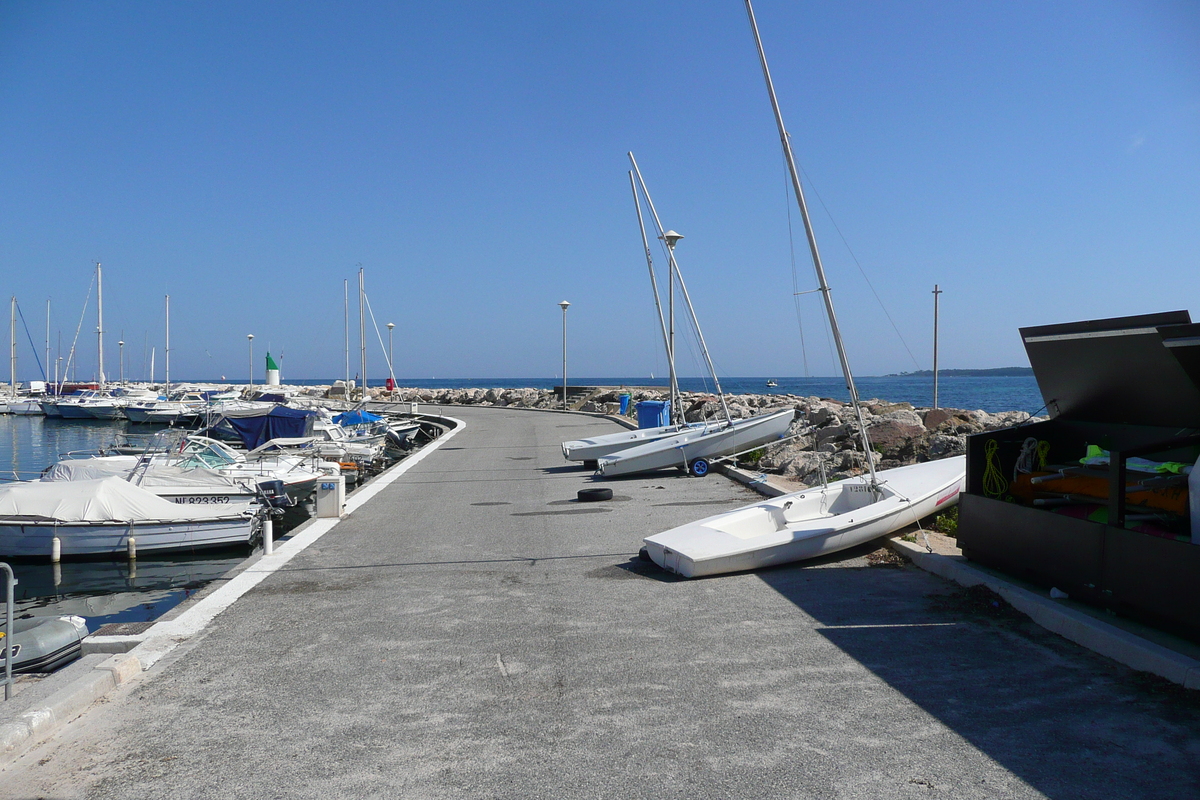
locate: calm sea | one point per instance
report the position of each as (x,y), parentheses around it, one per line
(985,393)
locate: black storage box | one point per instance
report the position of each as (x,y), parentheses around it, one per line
(1130,386)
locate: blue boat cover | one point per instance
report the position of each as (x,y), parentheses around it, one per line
(358,417)
(280,422)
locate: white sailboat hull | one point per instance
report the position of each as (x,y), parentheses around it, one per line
(596,447)
(706,442)
(809,523)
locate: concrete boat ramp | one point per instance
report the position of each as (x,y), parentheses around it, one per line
(471,630)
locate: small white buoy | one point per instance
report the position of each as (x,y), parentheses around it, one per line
(131,544)
(55,550)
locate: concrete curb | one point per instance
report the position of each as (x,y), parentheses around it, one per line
(70,700)
(66,703)
(1083,629)
(758,481)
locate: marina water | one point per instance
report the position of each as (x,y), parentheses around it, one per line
(99,591)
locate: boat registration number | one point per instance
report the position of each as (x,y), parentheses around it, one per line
(204,499)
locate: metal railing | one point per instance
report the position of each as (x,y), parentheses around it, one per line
(10,581)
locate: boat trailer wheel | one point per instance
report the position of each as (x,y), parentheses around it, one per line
(699,467)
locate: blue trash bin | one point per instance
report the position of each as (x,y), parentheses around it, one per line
(653,413)
(624,404)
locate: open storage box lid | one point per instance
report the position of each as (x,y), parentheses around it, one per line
(1140,370)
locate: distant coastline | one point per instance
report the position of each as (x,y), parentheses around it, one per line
(998,372)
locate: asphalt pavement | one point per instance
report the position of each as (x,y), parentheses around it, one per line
(474,631)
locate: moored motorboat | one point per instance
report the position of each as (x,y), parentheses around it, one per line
(195,486)
(98,518)
(809,523)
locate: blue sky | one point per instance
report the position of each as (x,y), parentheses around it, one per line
(1040,161)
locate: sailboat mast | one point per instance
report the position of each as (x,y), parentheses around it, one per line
(47,369)
(812,245)
(12,335)
(346,320)
(362,335)
(167,350)
(100,324)
(654,287)
(673,267)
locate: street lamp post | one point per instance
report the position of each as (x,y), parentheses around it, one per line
(391,366)
(936,292)
(563,305)
(250,344)
(121,350)
(672,238)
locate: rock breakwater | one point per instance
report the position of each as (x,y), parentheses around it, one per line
(822,436)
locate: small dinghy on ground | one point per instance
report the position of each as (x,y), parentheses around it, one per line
(694,448)
(809,523)
(597,447)
(43,644)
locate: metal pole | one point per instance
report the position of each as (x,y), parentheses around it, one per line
(936,292)
(564,305)
(391,364)
(100,323)
(47,340)
(121,350)
(654,286)
(167,381)
(362,334)
(250,344)
(10,581)
(785,140)
(346,312)
(12,362)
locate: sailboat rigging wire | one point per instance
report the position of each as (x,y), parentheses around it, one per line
(31,345)
(787,204)
(386,357)
(673,265)
(650,266)
(79,327)
(861,271)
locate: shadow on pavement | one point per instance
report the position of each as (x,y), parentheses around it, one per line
(1068,722)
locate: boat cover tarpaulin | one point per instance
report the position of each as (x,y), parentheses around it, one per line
(156,475)
(99,500)
(358,417)
(280,422)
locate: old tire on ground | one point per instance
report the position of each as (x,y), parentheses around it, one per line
(594,495)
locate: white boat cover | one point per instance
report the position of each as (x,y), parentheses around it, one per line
(98,500)
(157,475)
